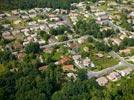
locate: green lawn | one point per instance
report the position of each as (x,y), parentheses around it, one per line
(121,68)
(102,63)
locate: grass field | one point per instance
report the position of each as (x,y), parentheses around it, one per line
(104,62)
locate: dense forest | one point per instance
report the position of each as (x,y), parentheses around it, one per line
(26,82)
(25,4)
(28,4)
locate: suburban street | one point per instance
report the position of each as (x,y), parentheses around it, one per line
(65,42)
(108,70)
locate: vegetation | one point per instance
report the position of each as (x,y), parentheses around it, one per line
(127,42)
(124,22)
(89,90)
(59,30)
(32,48)
(44,35)
(24,79)
(104,62)
(90,27)
(6,56)
(102,47)
(25,4)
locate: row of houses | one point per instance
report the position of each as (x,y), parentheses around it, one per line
(32,12)
(102,18)
(114,76)
(131,19)
(82,63)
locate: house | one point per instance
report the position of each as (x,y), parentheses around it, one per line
(26,34)
(131,15)
(87,62)
(86,49)
(25,30)
(43,68)
(100,13)
(77,57)
(20,55)
(32,15)
(114,76)
(64,60)
(6,26)
(54,18)
(103,22)
(17,46)
(116,41)
(7,35)
(125,51)
(56,11)
(23,12)
(102,81)
(44,27)
(17,22)
(82,40)
(68,68)
(41,20)
(29,38)
(41,59)
(123,36)
(52,39)
(72,45)
(100,55)
(24,16)
(125,72)
(32,11)
(32,23)
(93,9)
(15,12)
(2,15)
(25,43)
(131,58)
(102,18)
(41,42)
(14,70)
(112,3)
(71,75)
(62,11)
(101,2)
(106,28)
(48,50)
(92,64)
(73,16)
(16,32)
(78,61)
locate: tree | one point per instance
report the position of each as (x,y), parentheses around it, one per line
(44,35)
(7,86)
(102,47)
(88,26)
(32,48)
(127,42)
(6,56)
(82,74)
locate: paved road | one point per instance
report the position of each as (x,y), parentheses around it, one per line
(64,42)
(106,71)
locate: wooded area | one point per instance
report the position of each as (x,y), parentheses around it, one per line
(27,4)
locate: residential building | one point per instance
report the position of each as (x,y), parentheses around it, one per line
(114,76)
(102,81)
